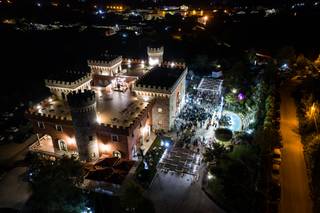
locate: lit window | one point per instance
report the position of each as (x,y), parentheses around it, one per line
(59,128)
(41,125)
(159,109)
(115,138)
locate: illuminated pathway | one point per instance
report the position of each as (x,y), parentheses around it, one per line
(295,194)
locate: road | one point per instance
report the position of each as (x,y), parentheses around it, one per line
(14,190)
(295,192)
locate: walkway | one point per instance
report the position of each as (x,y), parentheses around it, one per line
(294,181)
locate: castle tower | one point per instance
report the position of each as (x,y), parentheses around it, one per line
(84,119)
(155,55)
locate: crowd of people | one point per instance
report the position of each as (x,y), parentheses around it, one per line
(200,111)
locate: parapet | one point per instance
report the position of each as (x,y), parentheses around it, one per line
(48,117)
(75,82)
(78,99)
(153,50)
(107,61)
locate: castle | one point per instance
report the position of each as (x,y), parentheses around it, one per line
(112,111)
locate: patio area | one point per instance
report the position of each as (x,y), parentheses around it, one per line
(180,160)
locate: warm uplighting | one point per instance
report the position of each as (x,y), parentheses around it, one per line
(71,141)
(205,18)
(145,129)
(98,118)
(153,62)
(104,147)
(312,114)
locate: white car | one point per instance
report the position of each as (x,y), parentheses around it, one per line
(13,129)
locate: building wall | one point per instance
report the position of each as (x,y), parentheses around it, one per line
(160,120)
(177,101)
(67,134)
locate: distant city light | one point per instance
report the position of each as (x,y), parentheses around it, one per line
(38,4)
(172,64)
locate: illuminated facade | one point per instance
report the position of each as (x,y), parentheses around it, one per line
(110,111)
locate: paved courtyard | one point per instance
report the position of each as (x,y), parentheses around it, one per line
(172,192)
(14,191)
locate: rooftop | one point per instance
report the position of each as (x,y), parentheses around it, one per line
(69,76)
(105,57)
(161,77)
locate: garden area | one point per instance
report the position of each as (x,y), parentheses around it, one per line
(148,167)
(306,96)
(232,178)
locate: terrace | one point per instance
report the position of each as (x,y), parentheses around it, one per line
(115,108)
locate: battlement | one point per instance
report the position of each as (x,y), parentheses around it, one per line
(74,80)
(151,88)
(137,120)
(174,64)
(133,61)
(78,99)
(107,61)
(48,117)
(155,50)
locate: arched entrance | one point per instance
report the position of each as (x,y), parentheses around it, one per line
(116,154)
(62,145)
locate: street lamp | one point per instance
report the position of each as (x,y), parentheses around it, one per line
(313,114)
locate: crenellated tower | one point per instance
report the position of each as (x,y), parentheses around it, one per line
(84,118)
(155,55)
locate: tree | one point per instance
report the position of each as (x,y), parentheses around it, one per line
(131,197)
(214,152)
(56,185)
(286,55)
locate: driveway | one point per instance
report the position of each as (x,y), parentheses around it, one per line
(295,193)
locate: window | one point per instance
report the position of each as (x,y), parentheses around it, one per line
(41,125)
(59,128)
(160,110)
(115,138)
(90,138)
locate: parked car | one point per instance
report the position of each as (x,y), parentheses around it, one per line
(276,174)
(2,139)
(276,155)
(12,129)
